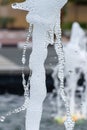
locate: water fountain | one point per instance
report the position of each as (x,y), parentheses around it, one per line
(75,66)
(44,19)
(73,57)
(75,61)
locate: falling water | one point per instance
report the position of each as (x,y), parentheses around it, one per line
(75,65)
(75,55)
(25,84)
(45,18)
(69,123)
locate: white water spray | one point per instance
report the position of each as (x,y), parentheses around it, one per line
(75,57)
(44,15)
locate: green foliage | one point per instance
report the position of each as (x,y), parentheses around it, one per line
(83,25)
(68,25)
(4,21)
(84,2)
(81,121)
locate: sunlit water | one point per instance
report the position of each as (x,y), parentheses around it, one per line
(16,121)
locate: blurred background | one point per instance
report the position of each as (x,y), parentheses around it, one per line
(75,10)
(13,32)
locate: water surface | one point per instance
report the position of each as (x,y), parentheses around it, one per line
(17,121)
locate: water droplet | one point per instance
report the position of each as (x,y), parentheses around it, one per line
(14,6)
(23,60)
(23,108)
(69,124)
(2,118)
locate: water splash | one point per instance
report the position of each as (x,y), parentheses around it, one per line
(69,123)
(74,67)
(25,84)
(2,118)
(43,15)
(76,63)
